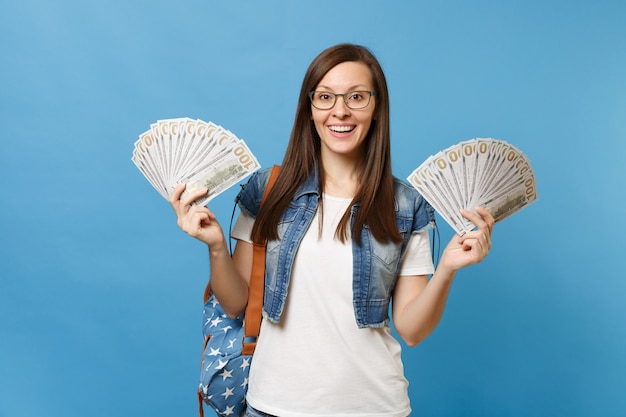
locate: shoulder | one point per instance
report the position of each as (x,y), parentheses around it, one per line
(249,198)
(405,194)
(411,203)
(403,187)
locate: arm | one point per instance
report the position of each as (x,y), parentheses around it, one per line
(418,303)
(229,275)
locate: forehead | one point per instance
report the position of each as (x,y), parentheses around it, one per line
(347,75)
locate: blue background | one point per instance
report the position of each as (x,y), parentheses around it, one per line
(100,292)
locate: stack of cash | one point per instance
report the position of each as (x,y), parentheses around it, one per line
(200,154)
(480,172)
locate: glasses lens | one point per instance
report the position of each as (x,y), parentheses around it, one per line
(322,100)
(357,99)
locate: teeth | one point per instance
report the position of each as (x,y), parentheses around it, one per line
(341,129)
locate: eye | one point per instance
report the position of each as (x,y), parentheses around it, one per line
(356,96)
(322,96)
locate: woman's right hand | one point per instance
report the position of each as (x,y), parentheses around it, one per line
(197,221)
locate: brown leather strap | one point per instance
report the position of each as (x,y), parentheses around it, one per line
(200,404)
(252,320)
(270,183)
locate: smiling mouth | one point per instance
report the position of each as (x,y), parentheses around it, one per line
(341,129)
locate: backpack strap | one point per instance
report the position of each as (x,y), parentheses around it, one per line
(252,318)
(255,261)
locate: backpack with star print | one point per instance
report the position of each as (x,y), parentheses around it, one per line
(224,372)
(229,343)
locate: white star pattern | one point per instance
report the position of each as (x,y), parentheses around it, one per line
(224,377)
(228,411)
(228,393)
(209,319)
(226,374)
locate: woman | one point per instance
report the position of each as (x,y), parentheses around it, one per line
(343,239)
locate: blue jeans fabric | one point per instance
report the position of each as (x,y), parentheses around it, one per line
(251,412)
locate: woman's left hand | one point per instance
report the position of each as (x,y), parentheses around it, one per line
(472,247)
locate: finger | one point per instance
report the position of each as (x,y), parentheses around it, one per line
(482,219)
(476,249)
(194,208)
(176,193)
(195,221)
(486,215)
(202,212)
(482,236)
(193,195)
(484,240)
(475,218)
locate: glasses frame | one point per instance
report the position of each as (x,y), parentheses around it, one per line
(345,99)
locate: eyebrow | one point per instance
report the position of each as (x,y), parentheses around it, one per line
(358,87)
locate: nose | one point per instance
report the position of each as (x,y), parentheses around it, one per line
(341,108)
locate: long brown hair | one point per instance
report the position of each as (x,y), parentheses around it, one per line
(374,195)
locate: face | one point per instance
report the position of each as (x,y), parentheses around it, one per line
(343,130)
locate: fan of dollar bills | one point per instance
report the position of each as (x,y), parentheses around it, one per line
(480,172)
(198,153)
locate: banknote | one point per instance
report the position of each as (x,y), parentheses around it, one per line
(195,152)
(483,172)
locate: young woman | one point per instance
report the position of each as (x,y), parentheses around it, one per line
(344,238)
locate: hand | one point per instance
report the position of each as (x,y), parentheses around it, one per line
(472,247)
(197,221)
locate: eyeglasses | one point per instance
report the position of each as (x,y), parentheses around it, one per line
(355,100)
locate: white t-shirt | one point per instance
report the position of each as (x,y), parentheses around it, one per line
(316,361)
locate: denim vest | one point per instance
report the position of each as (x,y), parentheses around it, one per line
(375,264)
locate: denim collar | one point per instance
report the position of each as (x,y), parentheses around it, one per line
(311,186)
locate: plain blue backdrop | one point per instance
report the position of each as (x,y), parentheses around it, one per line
(100,292)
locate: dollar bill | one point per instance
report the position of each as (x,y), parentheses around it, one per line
(480,172)
(192,151)
(225,172)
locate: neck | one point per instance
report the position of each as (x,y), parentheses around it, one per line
(341,177)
